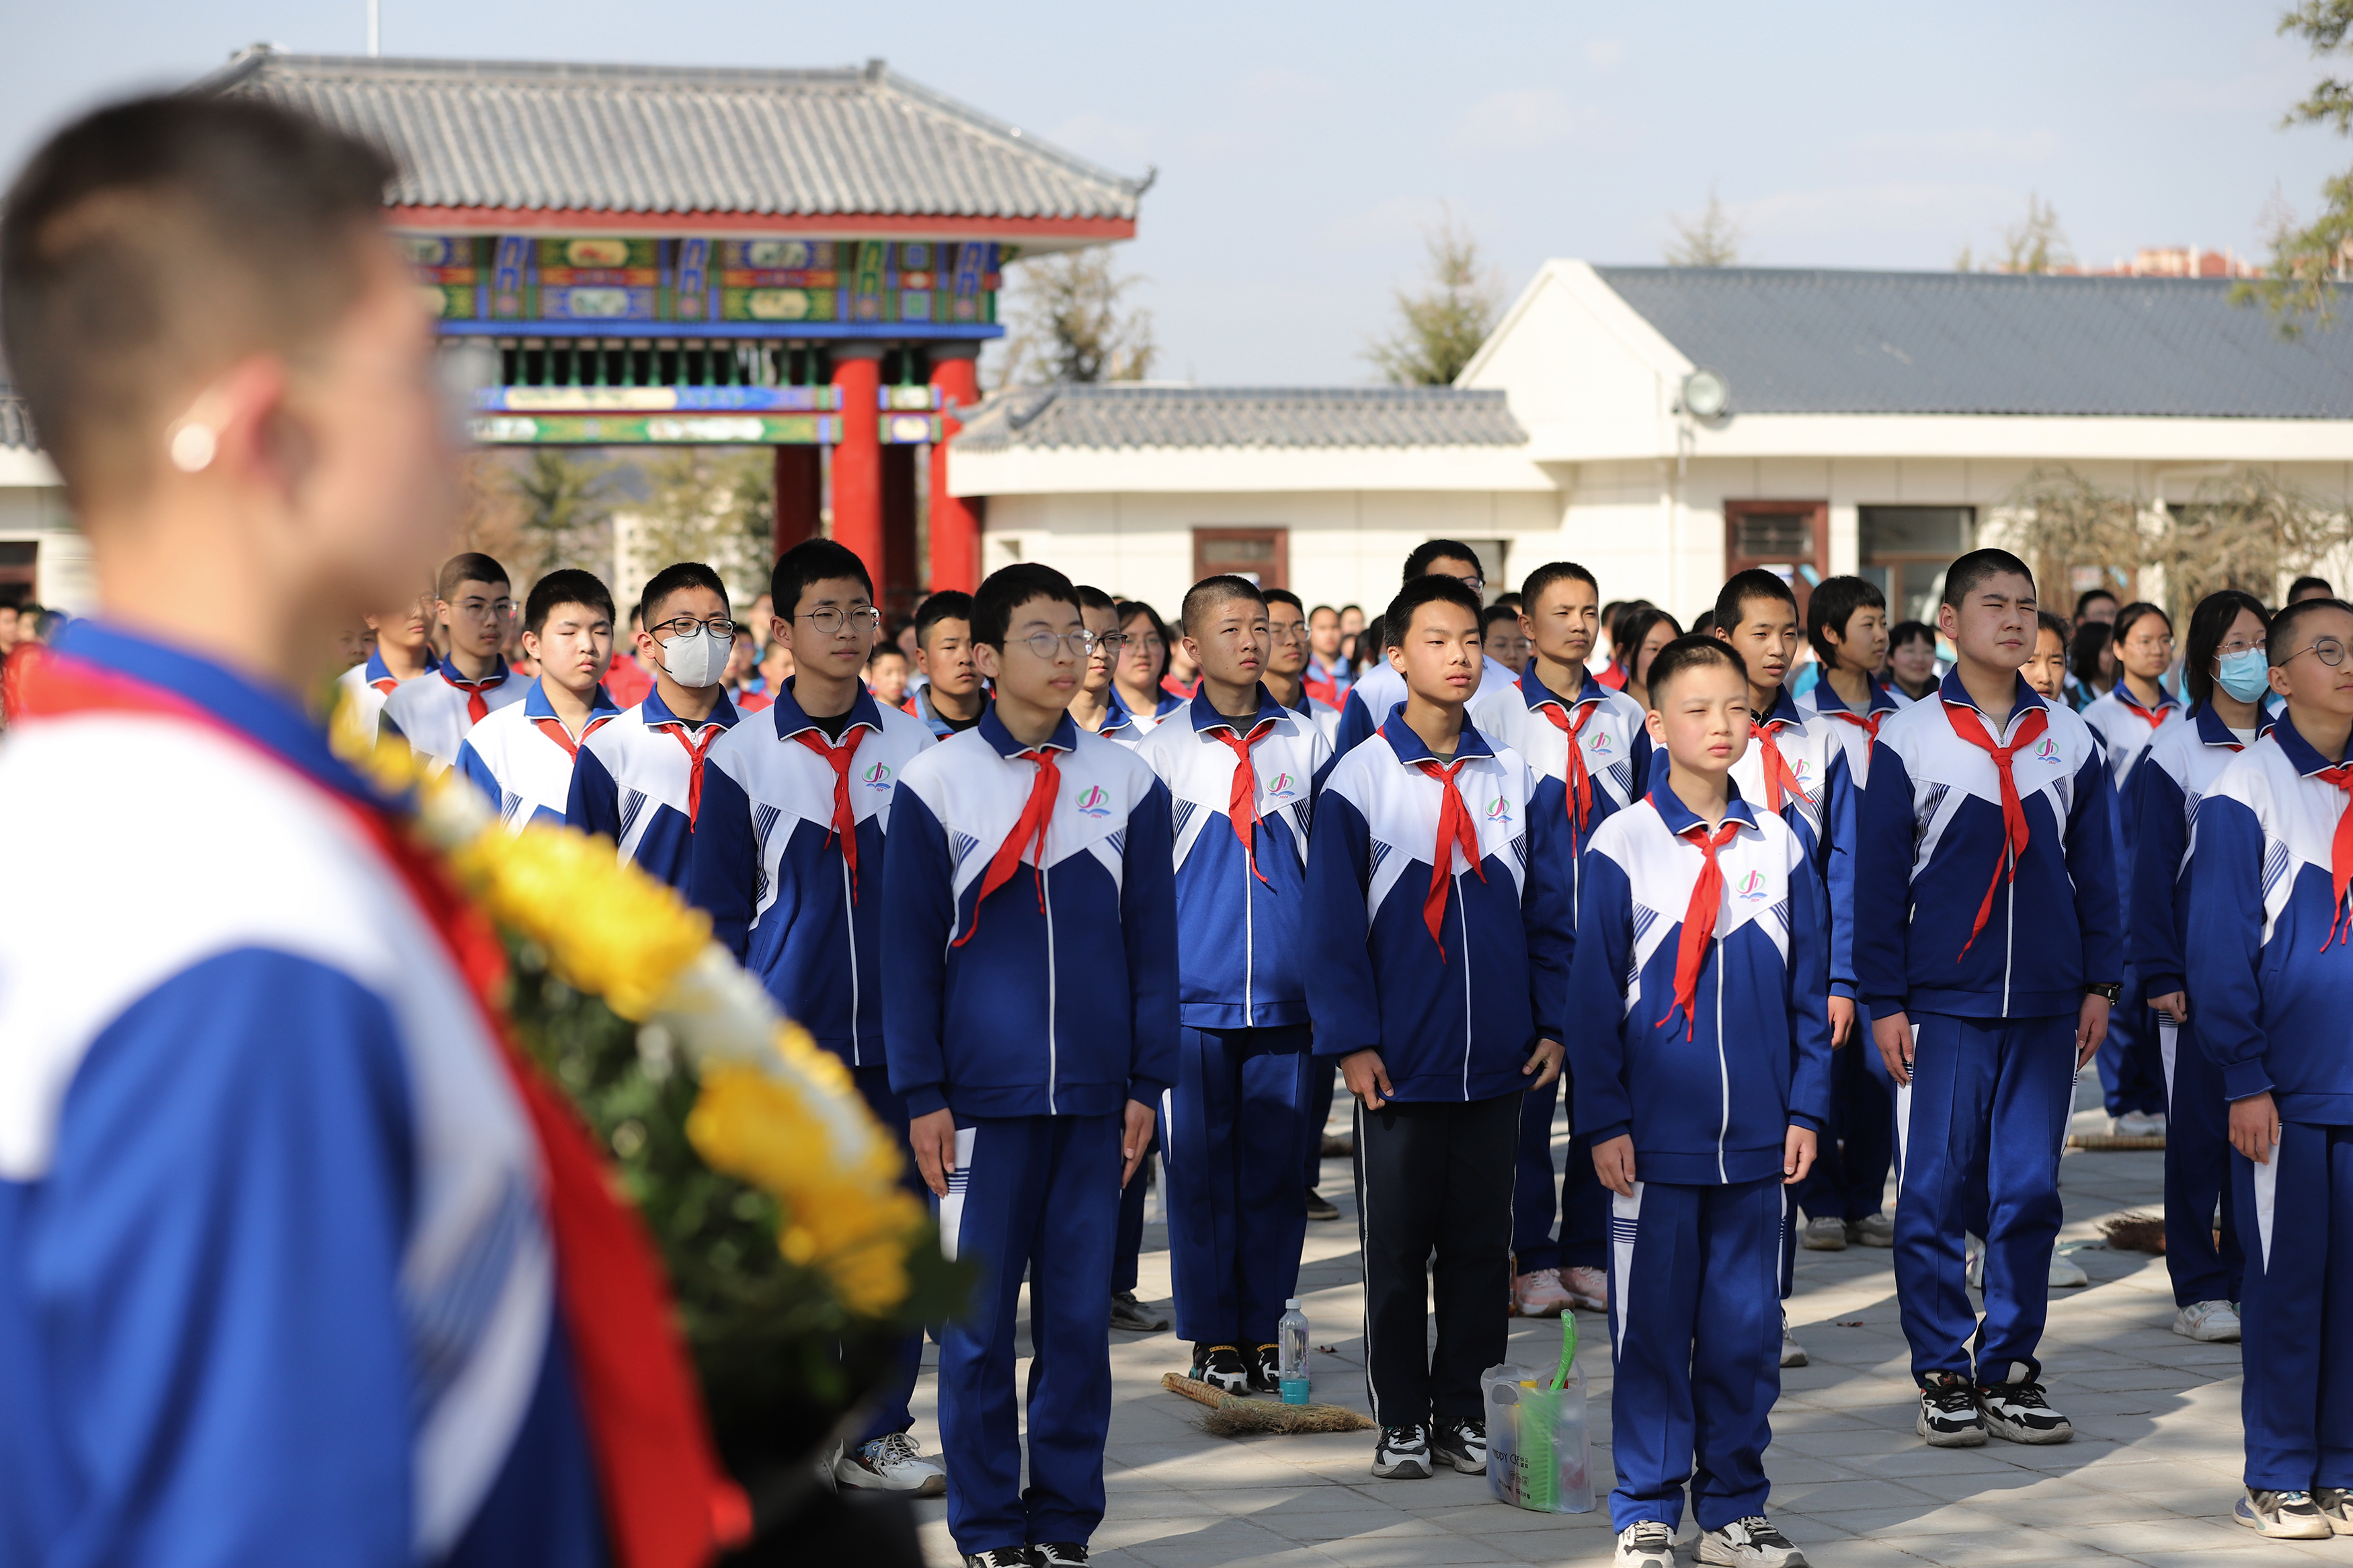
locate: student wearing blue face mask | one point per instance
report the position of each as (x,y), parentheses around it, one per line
(2227,673)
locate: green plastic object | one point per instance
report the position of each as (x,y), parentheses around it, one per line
(1540,1465)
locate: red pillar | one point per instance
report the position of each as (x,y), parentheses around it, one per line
(956,520)
(857,458)
(901,583)
(800,494)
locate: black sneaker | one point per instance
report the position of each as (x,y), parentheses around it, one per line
(1402,1454)
(1319,1206)
(1462,1444)
(1128,1313)
(1948,1412)
(1059,1555)
(1222,1368)
(2016,1410)
(1000,1557)
(1265,1365)
(1750,1542)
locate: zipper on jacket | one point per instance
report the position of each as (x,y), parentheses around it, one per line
(849,919)
(1462,913)
(1723,1067)
(1249,940)
(1053,1060)
(2010,903)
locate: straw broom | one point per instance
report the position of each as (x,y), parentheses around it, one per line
(1231,1416)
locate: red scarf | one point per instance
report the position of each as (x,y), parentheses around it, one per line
(2155,717)
(667,1502)
(1699,920)
(2340,853)
(554,731)
(1778,779)
(1454,828)
(1031,829)
(1241,804)
(1580,781)
(1965,721)
(697,751)
(477,707)
(845,824)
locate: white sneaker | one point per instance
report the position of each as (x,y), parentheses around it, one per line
(1823,1234)
(2140,1124)
(1646,1544)
(890,1463)
(2282,1516)
(1792,1353)
(1872,1230)
(2211,1321)
(1750,1542)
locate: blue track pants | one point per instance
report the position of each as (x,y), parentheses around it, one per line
(1584,1202)
(1695,1324)
(2197,1173)
(2298,1346)
(1982,1126)
(1039,1193)
(891,1402)
(1231,1131)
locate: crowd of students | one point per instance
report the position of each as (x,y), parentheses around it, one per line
(1089,887)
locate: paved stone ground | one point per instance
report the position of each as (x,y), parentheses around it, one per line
(2149,1479)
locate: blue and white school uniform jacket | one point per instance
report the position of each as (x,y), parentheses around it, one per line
(432,716)
(634,783)
(1241,943)
(2127,728)
(1809,747)
(1850,774)
(1063,1001)
(1120,724)
(1456,1026)
(1381,688)
(1323,715)
(276,1282)
(364,687)
(2270,999)
(2180,767)
(1929,839)
(767,866)
(1615,744)
(1709,1099)
(521,757)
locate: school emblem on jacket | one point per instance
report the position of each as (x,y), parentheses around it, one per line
(2048,751)
(1752,887)
(1499,810)
(879,776)
(1096,802)
(1282,786)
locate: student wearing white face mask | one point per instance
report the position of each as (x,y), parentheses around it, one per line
(639,780)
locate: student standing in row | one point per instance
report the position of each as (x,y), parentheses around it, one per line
(639,780)
(1702,1082)
(403,651)
(788,855)
(2045,670)
(521,756)
(1846,623)
(1447,1008)
(2271,983)
(1381,688)
(1286,663)
(1143,661)
(1096,707)
(951,699)
(1030,1005)
(472,606)
(1591,754)
(1984,1004)
(1238,767)
(2228,676)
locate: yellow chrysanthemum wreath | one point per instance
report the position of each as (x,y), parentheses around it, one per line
(773,1109)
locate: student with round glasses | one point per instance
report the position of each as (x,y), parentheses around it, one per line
(1097,708)
(1136,673)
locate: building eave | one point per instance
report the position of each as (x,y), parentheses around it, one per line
(2037,438)
(1033,234)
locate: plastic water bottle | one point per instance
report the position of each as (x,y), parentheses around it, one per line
(1291,1352)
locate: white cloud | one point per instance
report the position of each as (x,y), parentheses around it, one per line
(1603,56)
(1103,139)
(1521,119)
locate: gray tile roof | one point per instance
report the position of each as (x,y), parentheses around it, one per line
(17,423)
(650,139)
(1113,416)
(1792,342)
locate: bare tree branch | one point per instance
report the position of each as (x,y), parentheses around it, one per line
(1442,324)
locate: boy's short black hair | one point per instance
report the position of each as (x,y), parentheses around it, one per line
(2302,584)
(1694,652)
(1904,632)
(2209,623)
(1963,576)
(947,604)
(1741,587)
(1703,624)
(676,578)
(2287,637)
(1009,588)
(154,242)
(886,650)
(1092,598)
(569,586)
(470,566)
(1833,605)
(2083,600)
(2044,621)
(813,561)
(1376,635)
(2092,639)
(1431,588)
(1494,613)
(1210,591)
(1531,587)
(1418,564)
(1274,596)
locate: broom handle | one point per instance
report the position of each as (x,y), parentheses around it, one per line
(1196,1391)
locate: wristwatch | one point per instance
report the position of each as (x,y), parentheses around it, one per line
(2110,990)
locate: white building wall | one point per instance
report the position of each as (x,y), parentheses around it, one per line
(33,508)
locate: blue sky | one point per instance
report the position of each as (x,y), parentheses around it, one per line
(1303,148)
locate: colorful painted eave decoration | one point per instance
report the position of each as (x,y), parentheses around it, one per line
(692,399)
(553,283)
(688,429)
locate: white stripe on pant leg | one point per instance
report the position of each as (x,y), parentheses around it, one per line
(2169,1037)
(952,1206)
(1625,1225)
(1365,1251)
(2266,1199)
(1904,1113)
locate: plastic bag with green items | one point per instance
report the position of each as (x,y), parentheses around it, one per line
(1537,1455)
